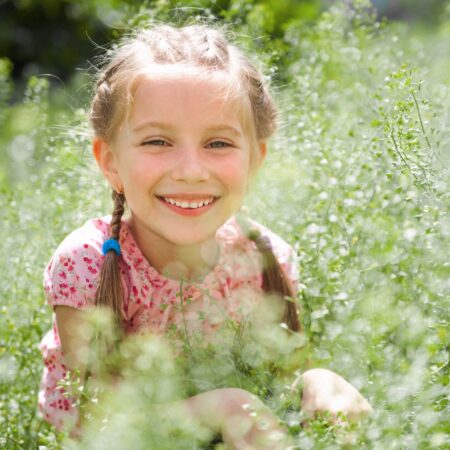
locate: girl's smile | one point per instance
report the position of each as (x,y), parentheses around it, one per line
(182,159)
(188,204)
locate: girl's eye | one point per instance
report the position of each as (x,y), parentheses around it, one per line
(163,143)
(219,144)
(157,142)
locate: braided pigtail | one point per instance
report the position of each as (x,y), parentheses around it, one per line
(109,291)
(275,280)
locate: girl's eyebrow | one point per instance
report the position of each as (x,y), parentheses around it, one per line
(166,126)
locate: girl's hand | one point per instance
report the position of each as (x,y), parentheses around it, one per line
(242,419)
(326,391)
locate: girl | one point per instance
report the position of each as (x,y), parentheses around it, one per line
(180,119)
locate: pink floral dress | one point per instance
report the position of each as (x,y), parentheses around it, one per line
(152,302)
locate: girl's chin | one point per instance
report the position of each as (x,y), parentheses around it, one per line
(191,241)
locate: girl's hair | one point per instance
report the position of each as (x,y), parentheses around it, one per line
(191,47)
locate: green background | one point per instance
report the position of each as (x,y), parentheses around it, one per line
(356,180)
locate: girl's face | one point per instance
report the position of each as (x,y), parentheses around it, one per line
(182,159)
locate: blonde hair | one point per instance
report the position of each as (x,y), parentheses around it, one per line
(194,46)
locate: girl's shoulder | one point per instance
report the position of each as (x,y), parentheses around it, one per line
(91,234)
(233,234)
(71,275)
(235,238)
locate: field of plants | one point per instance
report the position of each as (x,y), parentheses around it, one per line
(356,179)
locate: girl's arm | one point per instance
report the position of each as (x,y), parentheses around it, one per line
(75,338)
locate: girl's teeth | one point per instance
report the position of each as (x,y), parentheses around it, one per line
(185,204)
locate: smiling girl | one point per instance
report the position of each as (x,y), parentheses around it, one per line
(181,118)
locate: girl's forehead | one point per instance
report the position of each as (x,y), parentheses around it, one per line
(180,71)
(160,85)
(169,90)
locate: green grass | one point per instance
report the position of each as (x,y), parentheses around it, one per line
(356,179)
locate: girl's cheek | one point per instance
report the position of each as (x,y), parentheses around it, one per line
(236,169)
(145,165)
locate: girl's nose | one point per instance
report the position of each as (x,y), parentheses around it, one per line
(191,167)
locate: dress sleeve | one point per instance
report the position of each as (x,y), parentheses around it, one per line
(54,405)
(71,276)
(70,279)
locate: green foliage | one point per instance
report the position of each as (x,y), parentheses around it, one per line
(429,12)
(356,178)
(362,182)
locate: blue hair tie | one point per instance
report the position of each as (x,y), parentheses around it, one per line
(111,244)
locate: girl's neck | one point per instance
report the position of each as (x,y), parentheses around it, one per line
(189,262)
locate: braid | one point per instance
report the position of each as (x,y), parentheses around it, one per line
(109,291)
(275,280)
(116,219)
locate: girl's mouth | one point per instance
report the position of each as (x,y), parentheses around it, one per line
(188,207)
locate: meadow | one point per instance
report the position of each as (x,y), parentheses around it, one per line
(356,179)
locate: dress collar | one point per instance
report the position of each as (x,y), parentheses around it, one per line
(227,236)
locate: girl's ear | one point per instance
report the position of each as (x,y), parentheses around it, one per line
(107,162)
(258,157)
(262,150)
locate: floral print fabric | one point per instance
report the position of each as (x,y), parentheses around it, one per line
(152,303)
